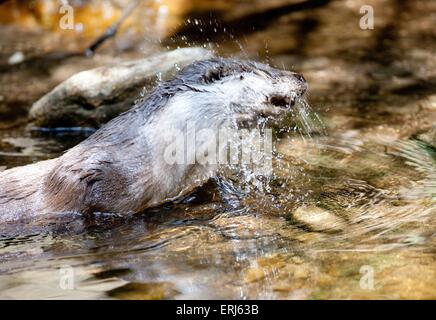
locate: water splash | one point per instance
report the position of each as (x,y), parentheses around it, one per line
(287,185)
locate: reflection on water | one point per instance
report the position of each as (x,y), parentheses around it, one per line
(253,248)
(355,195)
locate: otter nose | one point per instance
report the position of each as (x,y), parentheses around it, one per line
(300,77)
(302,83)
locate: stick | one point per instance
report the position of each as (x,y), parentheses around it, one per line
(112,30)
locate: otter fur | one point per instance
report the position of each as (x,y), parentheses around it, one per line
(120,168)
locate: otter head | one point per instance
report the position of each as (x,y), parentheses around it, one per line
(242,91)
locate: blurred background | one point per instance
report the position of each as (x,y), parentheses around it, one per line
(321,38)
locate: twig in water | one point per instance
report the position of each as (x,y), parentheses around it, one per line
(112,30)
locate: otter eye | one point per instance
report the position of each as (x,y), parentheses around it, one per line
(279,101)
(213,75)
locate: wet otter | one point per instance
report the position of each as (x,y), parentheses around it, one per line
(120,168)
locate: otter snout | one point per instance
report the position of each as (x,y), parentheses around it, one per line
(301,84)
(282,101)
(300,77)
(297,88)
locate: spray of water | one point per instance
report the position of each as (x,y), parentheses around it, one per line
(286,185)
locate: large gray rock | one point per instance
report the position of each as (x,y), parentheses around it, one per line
(93,97)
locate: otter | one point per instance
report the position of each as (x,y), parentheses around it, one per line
(120,168)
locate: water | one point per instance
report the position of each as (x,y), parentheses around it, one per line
(361,160)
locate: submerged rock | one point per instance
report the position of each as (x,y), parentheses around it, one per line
(429,136)
(317,219)
(144,291)
(254,274)
(93,97)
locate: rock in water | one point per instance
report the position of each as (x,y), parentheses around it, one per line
(429,136)
(93,97)
(318,219)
